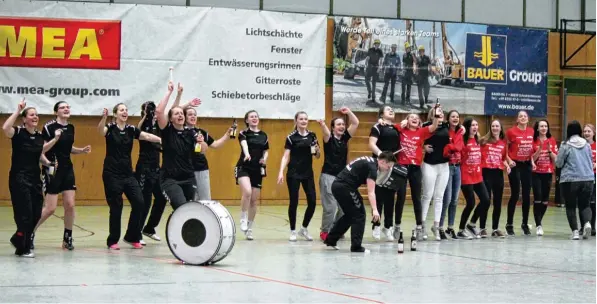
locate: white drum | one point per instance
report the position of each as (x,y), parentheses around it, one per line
(201,232)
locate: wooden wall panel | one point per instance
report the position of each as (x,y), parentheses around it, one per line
(585,56)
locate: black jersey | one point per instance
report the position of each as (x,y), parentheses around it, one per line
(388,138)
(119,145)
(199,159)
(61,151)
(178,148)
(257,144)
(301,159)
(439,140)
(26,151)
(358,171)
(149,152)
(335,154)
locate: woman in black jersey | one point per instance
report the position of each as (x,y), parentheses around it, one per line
(250,169)
(300,147)
(23,181)
(178,143)
(59,177)
(384,137)
(335,148)
(147,173)
(118,175)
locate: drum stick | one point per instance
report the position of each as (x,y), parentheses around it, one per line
(398,151)
(172,74)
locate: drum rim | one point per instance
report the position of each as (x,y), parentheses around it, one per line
(233,235)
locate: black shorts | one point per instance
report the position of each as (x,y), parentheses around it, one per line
(63,179)
(254,176)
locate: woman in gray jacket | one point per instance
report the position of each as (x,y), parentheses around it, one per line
(576,180)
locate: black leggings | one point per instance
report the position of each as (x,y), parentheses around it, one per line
(577,194)
(468,191)
(593,207)
(351,203)
(294,185)
(520,175)
(178,192)
(541,189)
(149,180)
(385,198)
(114,187)
(27,203)
(414,178)
(494,183)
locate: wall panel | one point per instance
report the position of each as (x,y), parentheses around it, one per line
(590,8)
(585,56)
(369,8)
(507,12)
(541,13)
(154,2)
(570,9)
(246,4)
(303,6)
(447,10)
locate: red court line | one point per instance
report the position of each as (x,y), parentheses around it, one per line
(246,275)
(364,278)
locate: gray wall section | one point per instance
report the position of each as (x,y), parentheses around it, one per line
(539,13)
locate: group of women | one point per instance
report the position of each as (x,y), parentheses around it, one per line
(441,157)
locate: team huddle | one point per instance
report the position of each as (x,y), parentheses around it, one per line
(437,158)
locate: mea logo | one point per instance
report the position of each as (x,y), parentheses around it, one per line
(486,59)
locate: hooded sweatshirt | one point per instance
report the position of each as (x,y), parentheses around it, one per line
(575,160)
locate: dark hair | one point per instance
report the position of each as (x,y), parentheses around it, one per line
(253,111)
(468,122)
(177,107)
(447,118)
(574,128)
(150,106)
(185,111)
(536,128)
(381,110)
(387,156)
(333,123)
(56,105)
(115,109)
(296,117)
(488,138)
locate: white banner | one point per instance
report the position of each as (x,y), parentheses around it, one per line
(97,55)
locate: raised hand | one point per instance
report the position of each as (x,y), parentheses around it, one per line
(170,86)
(344,110)
(57,133)
(22,104)
(195,102)
(179,89)
(105,112)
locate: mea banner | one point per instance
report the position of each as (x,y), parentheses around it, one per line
(512,63)
(97,55)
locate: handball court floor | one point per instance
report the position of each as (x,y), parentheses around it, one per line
(551,268)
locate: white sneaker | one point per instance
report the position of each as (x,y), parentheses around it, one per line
(244,225)
(154,236)
(377,233)
(539,231)
(305,233)
(435,231)
(586,231)
(575,235)
(249,235)
(142,242)
(292,236)
(388,232)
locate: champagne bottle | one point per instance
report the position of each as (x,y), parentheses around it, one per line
(401,244)
(263,173)
(233,131)
(313,149)
(413,242)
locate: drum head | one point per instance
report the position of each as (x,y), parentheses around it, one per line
(194,233)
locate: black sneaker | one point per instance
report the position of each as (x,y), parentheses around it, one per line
(525,229)
(474,232)
(32,239)
(452,233)
(359,249)
(510,230)
(67,243)
(593,232)
(442,234)
(464,235)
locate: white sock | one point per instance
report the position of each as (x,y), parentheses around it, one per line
(250,224)
(244,215)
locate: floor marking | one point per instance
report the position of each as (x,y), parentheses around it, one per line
(364,278)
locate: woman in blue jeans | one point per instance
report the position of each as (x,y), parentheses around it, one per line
(450,201)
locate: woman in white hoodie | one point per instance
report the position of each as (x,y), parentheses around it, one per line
(576,180)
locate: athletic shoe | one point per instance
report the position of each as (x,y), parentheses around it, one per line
(462,234)
(473,231)
(136,245)
(593,232)
(376,233)
(575,235)
(587,231)
(452,233)
(152,236)
(67,243)
(435,232)
(442,234)
(360,249)
(292,237)
(32,239)
(244,225)
(114,247)
(305,233)
(525,229)
(26,255)
(539,231)
(510,230)
(323,235)
(249,235)
(142,242)
(396,232)
(498,233)
(483,233)
(388,232)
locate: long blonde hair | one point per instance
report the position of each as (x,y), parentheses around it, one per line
(488,138)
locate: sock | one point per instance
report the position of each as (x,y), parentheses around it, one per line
(244,215)
(67,233)
(250,224)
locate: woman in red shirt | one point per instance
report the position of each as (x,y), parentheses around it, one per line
(493,164)
(545,150)
(471,180)
(589,135)
(520,149)
(452,151)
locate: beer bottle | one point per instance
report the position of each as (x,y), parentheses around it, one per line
(413,242)
(401,243)
(233,131)
(197,148)
(263,173)
(313,149)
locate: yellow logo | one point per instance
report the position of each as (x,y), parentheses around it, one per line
(486,55)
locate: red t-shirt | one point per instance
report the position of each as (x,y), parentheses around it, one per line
(452,150)
(412,145)
(543,162)
(470,167)
(521,143)
(594,150)
(493,155)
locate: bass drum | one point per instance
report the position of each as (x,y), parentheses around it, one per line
(200,233)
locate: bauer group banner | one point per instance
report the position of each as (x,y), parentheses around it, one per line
(410,65)
(97,55)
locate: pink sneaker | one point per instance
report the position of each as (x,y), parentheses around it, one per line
(114,247)
(136,245)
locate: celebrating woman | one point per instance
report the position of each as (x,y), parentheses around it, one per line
(250,169)
(300,147)
(520,150)
(452,151)
(23,180)
(545,150)
(589,135)
(335,148)
(59,176)
(493,164)
(118,175)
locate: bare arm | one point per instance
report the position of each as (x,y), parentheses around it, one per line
(372,199)
(150,137)
(353,121)
(10,121)
(179,90)
(101,126)
(160,110)
(265,156)
(283,164)
(434,125)
(49,144)
(84,150)
(373,145)
(245,147)
(140,124)
(44,160)
(325,131)
(221,141)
